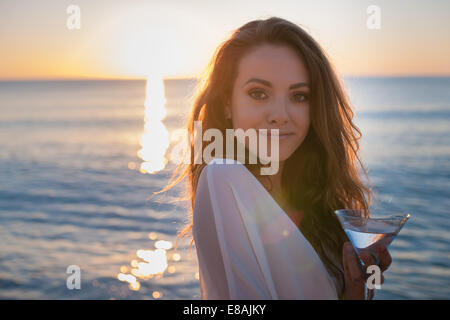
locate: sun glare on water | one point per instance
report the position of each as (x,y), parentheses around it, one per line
(155,139)
(152,265)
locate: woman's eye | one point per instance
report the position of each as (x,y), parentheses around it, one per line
(257,94)
(260,95)
(300,97)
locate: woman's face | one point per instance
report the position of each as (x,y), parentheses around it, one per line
(271,92)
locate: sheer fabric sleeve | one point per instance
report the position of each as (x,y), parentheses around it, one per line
(228,266)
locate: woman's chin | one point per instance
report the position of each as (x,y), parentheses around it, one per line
(280,157)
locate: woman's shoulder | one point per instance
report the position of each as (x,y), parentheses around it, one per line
(224,161)
(223,171)
(224,167)
(219,179)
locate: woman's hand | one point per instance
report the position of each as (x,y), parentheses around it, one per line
(355,277)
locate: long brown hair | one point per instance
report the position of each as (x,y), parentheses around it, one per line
(322,175)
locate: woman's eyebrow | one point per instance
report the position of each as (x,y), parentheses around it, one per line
(268,84)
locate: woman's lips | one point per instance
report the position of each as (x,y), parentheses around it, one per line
(284,136)
(280,136)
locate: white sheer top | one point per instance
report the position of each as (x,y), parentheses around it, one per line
(247,246)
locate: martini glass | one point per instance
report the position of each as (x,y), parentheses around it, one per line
(366,234)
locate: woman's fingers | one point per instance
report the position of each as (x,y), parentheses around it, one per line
(354,276)
(384,256)
(352,262)
(354,289)
(368,259)
(346,259)
(370,294)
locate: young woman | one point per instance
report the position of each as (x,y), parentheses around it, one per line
(276,236)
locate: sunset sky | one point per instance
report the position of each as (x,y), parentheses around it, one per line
(134,39)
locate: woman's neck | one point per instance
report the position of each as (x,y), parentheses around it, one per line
(275,183)
(276,191)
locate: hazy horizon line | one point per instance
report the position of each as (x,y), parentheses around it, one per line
(187,77)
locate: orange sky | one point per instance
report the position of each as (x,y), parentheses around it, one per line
(173,38)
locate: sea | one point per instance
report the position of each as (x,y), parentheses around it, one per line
(80,219)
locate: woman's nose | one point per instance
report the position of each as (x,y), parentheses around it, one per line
(278,113)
